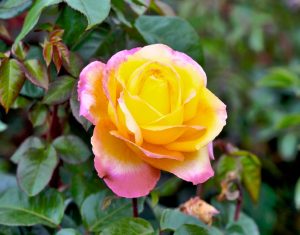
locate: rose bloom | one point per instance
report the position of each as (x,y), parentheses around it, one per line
(152,111)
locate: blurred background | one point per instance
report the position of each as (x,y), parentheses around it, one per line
(252,61)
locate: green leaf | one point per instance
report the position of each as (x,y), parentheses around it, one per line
(81,187)
(12,8)
(71,149)
(169,187)
(251,174)
(73,23)
(31,142)
(36,72)
(35,169)
(289,121)
(38,114)
(89,44)
(243,226)
(67,231)
(74,103)
(226,164)
(279,78)
(191,229)
(288,146)
(129,226)
(33,16)
(256,40)
(3,126)
(60,90)
(173,219)
(94,11)
(101,209)
(75,65)
(17,209)
(6,230)
(7,181)
(31,90)
(20,51)
(172,31)
(11,81)
(21,103)
(138,6)
(297,194)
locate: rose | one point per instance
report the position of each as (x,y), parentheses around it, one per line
(152,111)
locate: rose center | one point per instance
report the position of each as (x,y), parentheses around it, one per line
(157,85)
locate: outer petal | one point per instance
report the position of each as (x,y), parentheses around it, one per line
(124,173)
(150,150)
(211,115)
(93,103)
(194,168)
(113,65)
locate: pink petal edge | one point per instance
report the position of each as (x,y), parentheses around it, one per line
(85,88)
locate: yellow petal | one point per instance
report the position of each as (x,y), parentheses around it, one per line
(191,73)
(161,135)
(150,150)
(211,114)
(142,112)
(171,119)
(126,117)
(191,106)
(158,85)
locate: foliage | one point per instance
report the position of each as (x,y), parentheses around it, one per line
(249,50)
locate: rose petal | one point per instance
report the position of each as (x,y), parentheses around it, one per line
(192,74)
(172,119)
(113,70)
(93,103)
(150,150)
(211,150)
(212,115)
(159,79)
(124,173)
(195,167)
(130,122)
(165,134)
(191,106)
(135,105)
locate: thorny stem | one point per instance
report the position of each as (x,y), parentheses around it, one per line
(239,202)
(135,207)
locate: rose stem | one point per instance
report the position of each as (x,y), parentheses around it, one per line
(199,190)
(135,207)
(239,202)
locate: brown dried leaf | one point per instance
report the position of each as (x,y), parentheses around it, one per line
(199,209)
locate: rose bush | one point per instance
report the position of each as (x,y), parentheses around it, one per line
(152,111)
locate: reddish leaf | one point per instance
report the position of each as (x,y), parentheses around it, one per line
(36,72)
(57,58)
(64,52)
(47,52)
(55,36)
(11,81)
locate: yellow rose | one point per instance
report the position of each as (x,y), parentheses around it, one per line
(152,111)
